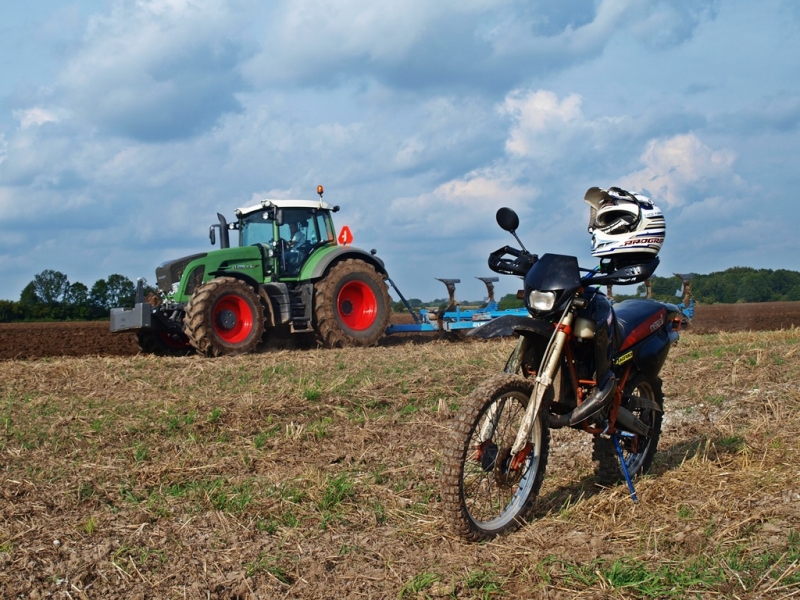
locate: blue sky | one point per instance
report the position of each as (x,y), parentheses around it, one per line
(125,126)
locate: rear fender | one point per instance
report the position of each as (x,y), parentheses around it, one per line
(320,261)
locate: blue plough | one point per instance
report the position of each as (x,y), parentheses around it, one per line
(452,317)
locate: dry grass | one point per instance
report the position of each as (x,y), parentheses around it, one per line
(313,474)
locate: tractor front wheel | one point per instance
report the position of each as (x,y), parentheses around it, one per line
(351,306)
(224,316)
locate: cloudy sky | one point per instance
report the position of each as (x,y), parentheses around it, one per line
(126,125)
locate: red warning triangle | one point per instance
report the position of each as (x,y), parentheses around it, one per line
(345,236)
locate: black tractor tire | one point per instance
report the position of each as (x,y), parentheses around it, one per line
(225,316)
(640,451)
(351,306)
(162,343)
(482,500)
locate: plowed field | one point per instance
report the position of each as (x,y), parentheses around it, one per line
(315,474)
(37,340)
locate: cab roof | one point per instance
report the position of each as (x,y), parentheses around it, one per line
(267,202)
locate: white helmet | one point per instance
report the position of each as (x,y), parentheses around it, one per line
(624,224)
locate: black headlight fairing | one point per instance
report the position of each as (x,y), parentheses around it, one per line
(556,273)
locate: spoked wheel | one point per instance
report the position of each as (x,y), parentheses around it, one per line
(224,316)
(483,495)
(638,450)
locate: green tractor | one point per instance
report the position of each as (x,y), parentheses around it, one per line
(287,272)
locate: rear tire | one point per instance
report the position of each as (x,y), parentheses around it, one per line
(351,306)
(640,451)
(482,500)
(162,343)
(224,317)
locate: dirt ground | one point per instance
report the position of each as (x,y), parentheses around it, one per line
(38,340)
(314,474)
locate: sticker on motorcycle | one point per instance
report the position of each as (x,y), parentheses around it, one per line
(624,358)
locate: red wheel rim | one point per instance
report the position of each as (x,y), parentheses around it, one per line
(357,305)
(173,342)
(233,319)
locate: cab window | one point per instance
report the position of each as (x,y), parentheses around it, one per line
(256,228)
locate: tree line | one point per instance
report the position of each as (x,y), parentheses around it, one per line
(737,284)
(52,297)
(734,285)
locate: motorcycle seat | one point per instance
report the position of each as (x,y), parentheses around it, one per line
(637,319)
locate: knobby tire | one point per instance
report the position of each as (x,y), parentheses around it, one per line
(478,503)
(604,454)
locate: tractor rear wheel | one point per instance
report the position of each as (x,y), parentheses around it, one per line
(162,343)
(224,316)
(351,306)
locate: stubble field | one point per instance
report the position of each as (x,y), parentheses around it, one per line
(314,474)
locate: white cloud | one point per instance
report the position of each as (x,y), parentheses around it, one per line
(675,165)
(156,69)
(460,207)
(35,116)
(535,112)
(417,44)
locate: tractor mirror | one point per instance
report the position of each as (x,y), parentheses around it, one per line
(507,219)
(279,217)
(212,235)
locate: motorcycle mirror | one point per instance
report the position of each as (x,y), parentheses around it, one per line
(507,219)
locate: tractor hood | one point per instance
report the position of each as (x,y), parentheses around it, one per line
(170,272)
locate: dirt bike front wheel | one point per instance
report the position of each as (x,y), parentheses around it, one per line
(483,495)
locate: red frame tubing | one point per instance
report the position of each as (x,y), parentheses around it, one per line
(363,305)
(244,319)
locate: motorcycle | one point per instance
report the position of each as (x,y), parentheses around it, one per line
(496,455)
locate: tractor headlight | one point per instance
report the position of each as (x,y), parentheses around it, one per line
(542,301)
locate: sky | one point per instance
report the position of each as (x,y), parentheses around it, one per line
(126,125)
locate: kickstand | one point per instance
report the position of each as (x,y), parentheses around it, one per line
(625,469)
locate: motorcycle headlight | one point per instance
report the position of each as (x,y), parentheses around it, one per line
(542,301)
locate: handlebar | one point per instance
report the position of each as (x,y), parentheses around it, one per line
(519,265)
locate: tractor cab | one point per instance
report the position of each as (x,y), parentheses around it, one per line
(287,231)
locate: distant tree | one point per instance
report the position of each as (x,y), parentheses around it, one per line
(110,293)
(9,311)
(98,296)
(510,301)
(28,296)
(31,306)
(77,302)
(77,295)
(398,307)
(51,286)
(121,291)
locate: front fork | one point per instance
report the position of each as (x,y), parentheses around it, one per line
(544,379)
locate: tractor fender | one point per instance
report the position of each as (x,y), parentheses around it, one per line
(510,325)
(316,269)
